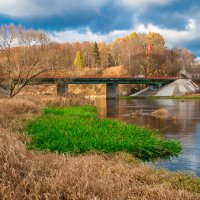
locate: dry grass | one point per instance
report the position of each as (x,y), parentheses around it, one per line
(73,100)
(33,175)
(14,111)
(161,113)
(29,175)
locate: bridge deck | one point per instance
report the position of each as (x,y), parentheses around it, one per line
(105,80)
(99,80)
(112,82)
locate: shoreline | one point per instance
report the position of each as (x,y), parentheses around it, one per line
(163,97)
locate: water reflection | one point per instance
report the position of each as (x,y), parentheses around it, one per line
(111,108)
(185,127)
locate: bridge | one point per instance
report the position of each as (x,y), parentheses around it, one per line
(111,82)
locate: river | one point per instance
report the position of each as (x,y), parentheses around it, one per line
(185,127)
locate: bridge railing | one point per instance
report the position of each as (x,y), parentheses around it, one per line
(50,76)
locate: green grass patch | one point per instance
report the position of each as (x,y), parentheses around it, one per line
(77,130)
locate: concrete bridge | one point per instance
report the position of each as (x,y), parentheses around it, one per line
(111,83)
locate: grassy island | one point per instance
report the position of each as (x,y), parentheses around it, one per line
(77,130)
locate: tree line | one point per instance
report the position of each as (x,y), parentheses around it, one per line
(142,54)
(26,53)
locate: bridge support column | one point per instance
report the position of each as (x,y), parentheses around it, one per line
(62,89)
(111,91)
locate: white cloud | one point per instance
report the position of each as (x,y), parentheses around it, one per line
(86,35)
(138,4)
(191,24)
(30,8)
(197,60)
(173,37)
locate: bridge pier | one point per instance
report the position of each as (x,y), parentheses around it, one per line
(111,91)
(62,89)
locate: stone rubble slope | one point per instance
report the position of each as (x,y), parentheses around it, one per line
(178,87)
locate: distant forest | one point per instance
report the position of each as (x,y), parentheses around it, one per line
(28,53)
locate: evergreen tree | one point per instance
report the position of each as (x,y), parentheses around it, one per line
(96,54)
(78,61)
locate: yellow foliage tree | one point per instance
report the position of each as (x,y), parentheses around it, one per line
(127,37)
(131,36)
(78,61)
(155,39)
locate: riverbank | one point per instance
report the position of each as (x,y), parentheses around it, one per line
(34,174)
(188,96)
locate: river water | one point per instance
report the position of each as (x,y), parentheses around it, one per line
(184,127)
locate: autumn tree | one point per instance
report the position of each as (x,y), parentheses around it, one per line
(145,53)
(110,60)
(86,49)
(115,52)
(56,57)
(23,56)
(78,61)
(8,35)
(177,58)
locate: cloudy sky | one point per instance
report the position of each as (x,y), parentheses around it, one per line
(103,20)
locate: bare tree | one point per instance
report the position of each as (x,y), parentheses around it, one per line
(25,53)
(8,38)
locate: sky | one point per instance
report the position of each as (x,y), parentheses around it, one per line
(104,20)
